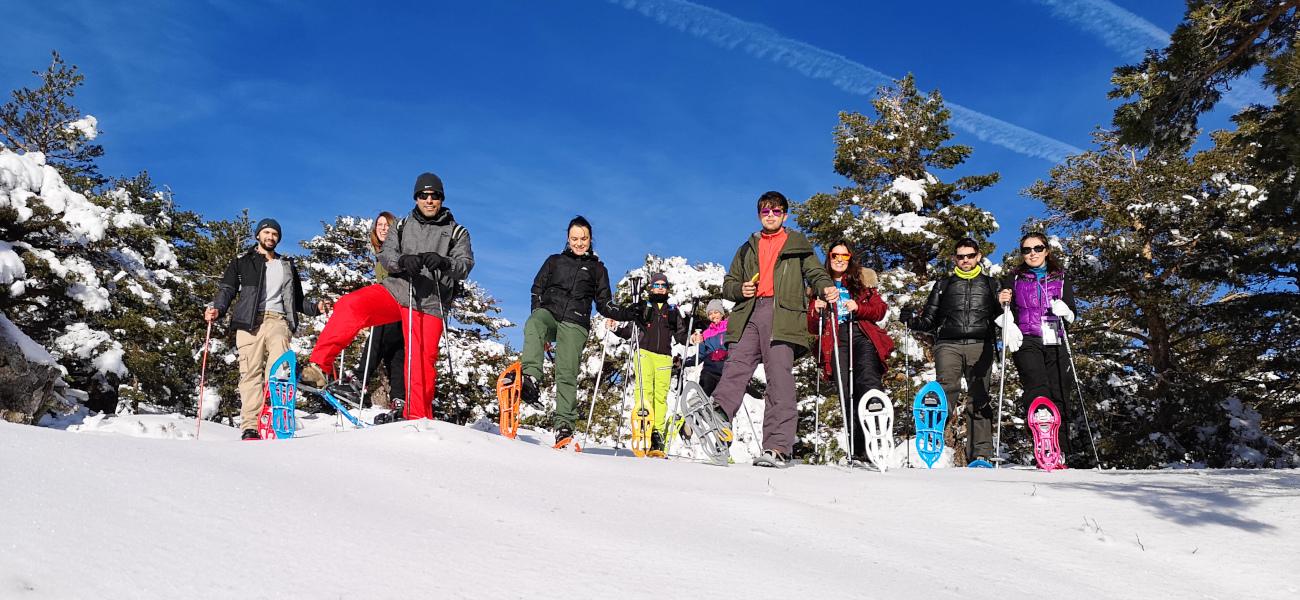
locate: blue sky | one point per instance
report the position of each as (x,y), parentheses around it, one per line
(660,121)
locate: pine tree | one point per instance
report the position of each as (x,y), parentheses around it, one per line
(1186,258)
(44,120)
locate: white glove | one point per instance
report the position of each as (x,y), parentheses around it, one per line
(1011,335)
(1061,309)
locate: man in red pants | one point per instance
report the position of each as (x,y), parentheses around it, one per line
(426,257)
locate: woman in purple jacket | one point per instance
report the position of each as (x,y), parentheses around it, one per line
(1042,303)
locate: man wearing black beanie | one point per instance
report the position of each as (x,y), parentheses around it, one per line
(264,316)
(427,257)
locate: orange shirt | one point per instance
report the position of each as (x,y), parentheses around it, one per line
(769,248)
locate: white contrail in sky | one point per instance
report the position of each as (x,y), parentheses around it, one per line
(761,41)
(1131,36)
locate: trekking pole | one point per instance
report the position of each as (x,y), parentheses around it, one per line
(839,375)
(681,376)
(365,368)
(1079,386)
(595,390)
(410,331)
(1002,386)
(203,373)
(853,398)
(817,376)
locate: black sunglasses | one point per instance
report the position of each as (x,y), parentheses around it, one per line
(1033,249)
(967,256)
(428,195)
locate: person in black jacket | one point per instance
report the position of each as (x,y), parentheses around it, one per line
(960,312)
(661,324)
(562,293)
(264,316)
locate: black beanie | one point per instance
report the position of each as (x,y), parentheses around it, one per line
(268,223)
(427,182)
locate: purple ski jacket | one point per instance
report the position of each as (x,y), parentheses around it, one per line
(1031,299)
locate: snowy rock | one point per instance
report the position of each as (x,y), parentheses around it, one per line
(30,381)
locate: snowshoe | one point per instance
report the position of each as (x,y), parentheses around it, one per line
(278,419)
(772,459)
(930,413)
(642,424)
(1044,425)
(706,425)
(250,434)
(509,391)
(979,463)
(876,416)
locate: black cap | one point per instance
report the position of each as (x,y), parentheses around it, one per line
(268,223)
(427,182)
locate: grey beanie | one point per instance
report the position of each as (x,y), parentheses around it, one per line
(268,223)
(715,306)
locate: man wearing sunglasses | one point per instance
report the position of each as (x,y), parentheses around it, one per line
(959,312)
(661,324)
(768,325)
(427,258)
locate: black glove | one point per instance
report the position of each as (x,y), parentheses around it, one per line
(410,264)
(905,315)
(434,261)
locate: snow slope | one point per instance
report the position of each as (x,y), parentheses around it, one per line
(433,510)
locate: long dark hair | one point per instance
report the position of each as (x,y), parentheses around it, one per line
(853,275)
(1052,263)
(581,221)
(392,222)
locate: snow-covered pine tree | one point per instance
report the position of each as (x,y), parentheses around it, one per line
(1218,45)
(45,120)
(1191,270)
(898,213)
(100,281)
(474,353)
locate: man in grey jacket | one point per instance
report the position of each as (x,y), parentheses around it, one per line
(427,257)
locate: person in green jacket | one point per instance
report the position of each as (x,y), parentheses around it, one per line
(768,325)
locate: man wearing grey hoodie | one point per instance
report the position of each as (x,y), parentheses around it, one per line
(427,257)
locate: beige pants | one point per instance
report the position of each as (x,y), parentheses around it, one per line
(257,351)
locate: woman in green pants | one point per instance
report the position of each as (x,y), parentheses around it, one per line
(563,292)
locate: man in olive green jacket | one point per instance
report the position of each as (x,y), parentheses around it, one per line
(769,323)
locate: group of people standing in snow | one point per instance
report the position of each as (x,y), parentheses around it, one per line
(784,299)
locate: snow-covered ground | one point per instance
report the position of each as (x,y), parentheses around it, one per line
(134,507)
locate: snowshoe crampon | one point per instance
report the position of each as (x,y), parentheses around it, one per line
(930,412)
(1044,422)
(876,416)
(396,413)
(705,427)
(278,420)
(509,386)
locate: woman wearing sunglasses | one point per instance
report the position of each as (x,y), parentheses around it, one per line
(1042,301)
(860,340)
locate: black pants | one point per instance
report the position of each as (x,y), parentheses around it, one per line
(1043,371)
(709,381)
(866,371)
(387,348)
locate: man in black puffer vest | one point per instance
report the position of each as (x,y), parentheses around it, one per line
(960,312)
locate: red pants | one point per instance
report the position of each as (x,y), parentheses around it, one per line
(374,305)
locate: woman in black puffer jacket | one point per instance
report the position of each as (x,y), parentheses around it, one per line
(563,292)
